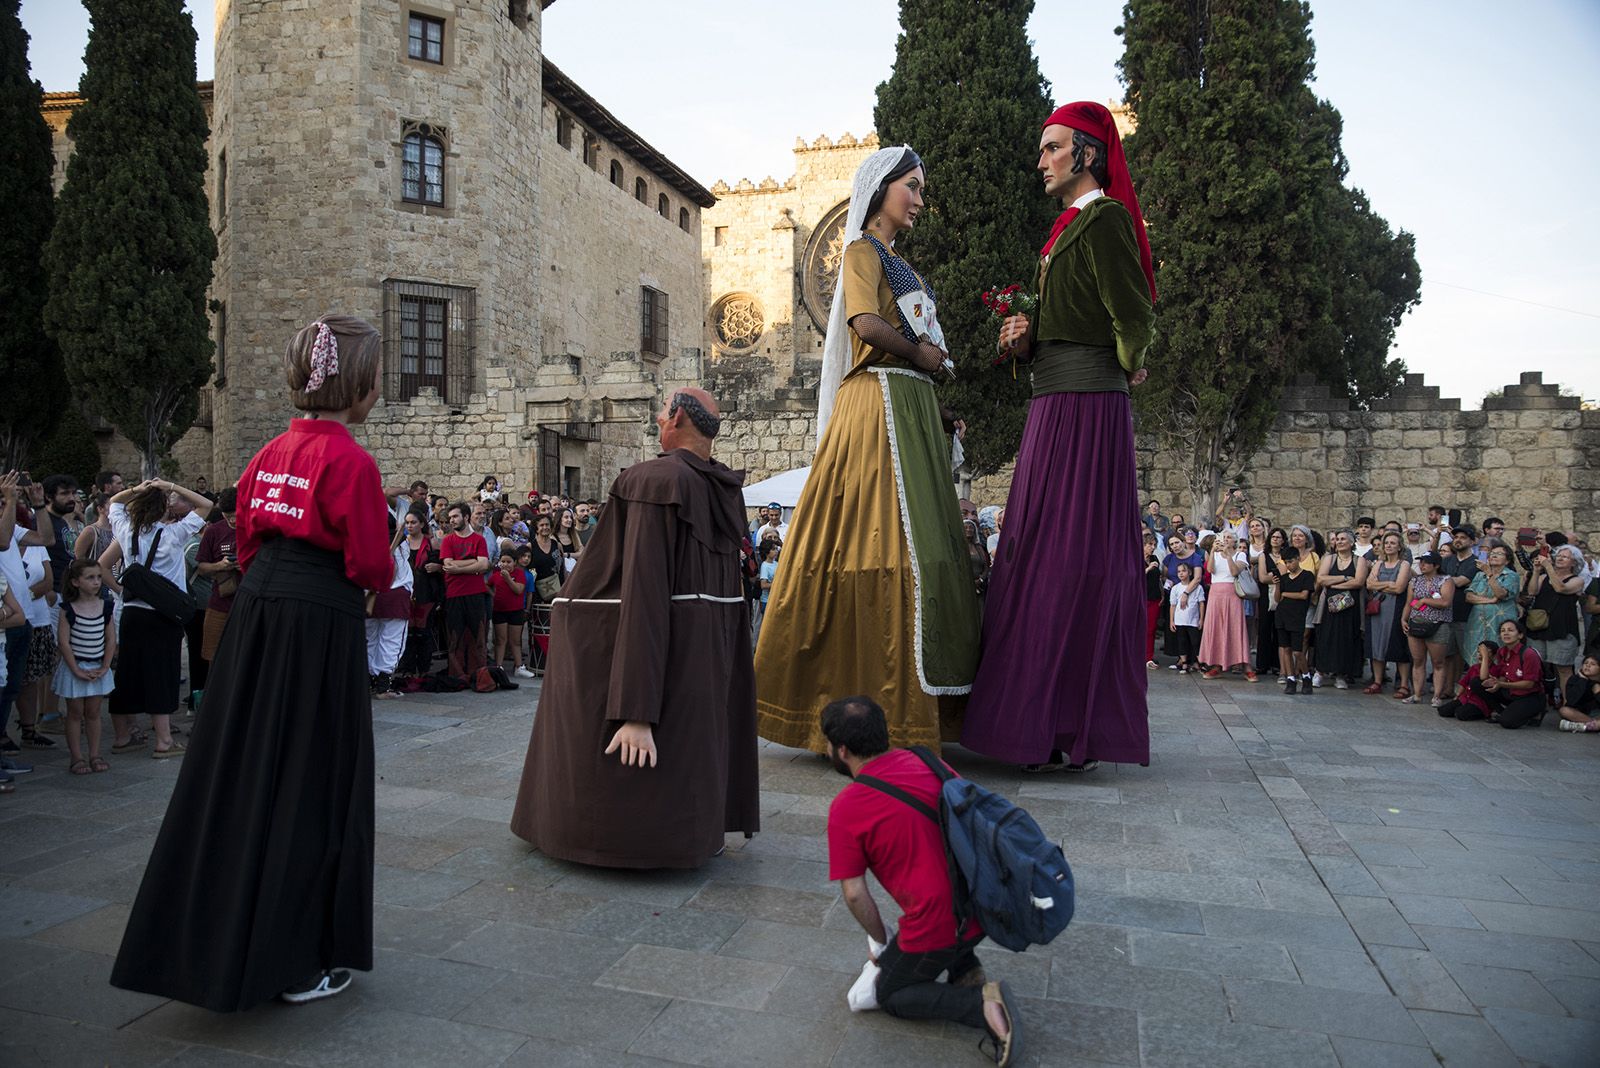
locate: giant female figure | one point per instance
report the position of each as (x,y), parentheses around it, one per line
(874,594)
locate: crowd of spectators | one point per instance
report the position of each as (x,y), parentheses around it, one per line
(1482,625)
(475,579)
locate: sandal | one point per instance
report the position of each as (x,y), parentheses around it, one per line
(135,741)
(1401,693)
(98,764)
(173,750)
(79,767)
(1008,1049)
(1376,687)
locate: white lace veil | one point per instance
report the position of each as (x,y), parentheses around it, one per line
(836,351)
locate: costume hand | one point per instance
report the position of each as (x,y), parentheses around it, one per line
(1013,330)
(961,428)
(929,356)
(1138,377)
(637,742)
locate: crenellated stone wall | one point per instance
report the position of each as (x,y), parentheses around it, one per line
(1531,457)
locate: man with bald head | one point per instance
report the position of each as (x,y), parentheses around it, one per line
(643,752)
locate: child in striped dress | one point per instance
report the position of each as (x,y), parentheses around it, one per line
(87,642)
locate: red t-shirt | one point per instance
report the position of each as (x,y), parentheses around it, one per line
(507,599)
(313,482)
(218,542)
(868,829)
(454,546)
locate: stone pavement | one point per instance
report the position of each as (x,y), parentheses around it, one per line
(1324,880)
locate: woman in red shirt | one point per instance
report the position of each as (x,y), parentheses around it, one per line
(1509,689)
(260,883)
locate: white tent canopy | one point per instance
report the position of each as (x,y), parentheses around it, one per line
(783,488)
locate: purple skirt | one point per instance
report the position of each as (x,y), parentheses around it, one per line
(1062,662)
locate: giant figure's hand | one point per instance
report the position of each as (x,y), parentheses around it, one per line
(637,743)
(1138,377)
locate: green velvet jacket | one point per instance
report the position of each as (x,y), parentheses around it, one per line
(1092,290)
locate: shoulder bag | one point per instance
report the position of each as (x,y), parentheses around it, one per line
(140,582)
(1245,584)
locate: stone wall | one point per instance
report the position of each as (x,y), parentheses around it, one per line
(1531,456)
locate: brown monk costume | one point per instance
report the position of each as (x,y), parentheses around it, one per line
(650,656)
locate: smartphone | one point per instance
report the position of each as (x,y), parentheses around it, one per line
(1527,536)
(1453,518)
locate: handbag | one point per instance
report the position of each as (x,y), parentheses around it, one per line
(1246,586)
(1375,604)
(547,587)
(141,583)
(1538,619)
(1341,601)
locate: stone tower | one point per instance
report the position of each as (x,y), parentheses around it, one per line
(381,158)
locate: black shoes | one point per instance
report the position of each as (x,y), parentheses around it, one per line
(321,986)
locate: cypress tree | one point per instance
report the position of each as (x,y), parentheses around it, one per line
(31,376)
(130,257)
(1267,265)
(967,94)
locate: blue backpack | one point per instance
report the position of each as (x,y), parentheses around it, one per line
(1006,874)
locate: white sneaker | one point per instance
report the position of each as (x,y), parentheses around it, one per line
(1568,725)
(1316,679)
(325,985)
(1340,684)
(523,673)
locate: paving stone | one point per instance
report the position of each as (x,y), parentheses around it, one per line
(1065,1033)
(630,921)
(1419,980)
(1365,1053)
(1499,950)
(781,943)
(523,902)
(1434,911)
(1379,1017)
(1443,882)
(39,1041)
(382,1038)
(1375,920)
(1338,969)
(1464,1041)
(736,1038)
(1506,988)
(871,1047)
(676,973)
(1535,920)
(563,1011)
(1343,875)
(1560,1042)
(425,986)
(25,912)
(1169,1041)
(76,987)
(1579,996)
(537,951)
(1290,929)
(1210,956)
(416,889)
(420,931)
(1157,914)
(1144,989)
(1309,897)
(99,931)
(548,1053)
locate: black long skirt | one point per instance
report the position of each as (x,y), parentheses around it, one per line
(261,876)
(1266,622)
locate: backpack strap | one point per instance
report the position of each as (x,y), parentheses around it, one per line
(935,765)
(899,795)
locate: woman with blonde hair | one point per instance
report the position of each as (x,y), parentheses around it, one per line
(260,883)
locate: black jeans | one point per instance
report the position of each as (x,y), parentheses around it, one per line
(908,985)
(1510,710)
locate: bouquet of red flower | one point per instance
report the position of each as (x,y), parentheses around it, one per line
(1007,301)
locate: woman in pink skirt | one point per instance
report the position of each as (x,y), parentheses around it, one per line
(1224,643)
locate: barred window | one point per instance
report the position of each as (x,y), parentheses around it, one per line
(653,322)
(425,38)
(428,340)
(422,164)
(221,337)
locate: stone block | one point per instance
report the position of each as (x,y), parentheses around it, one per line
(1420,439)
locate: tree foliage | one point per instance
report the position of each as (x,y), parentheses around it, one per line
(967,94)
(1267,264)
(130,257)
(31,375)
(69,449)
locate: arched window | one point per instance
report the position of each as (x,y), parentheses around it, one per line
(663,207)
(616,174)
(422,165)
(641,192)
(683,219)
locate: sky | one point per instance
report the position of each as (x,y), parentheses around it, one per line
(1464,121)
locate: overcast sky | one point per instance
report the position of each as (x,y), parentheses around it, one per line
(1469,123)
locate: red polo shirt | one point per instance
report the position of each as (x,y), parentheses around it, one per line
(868,829)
